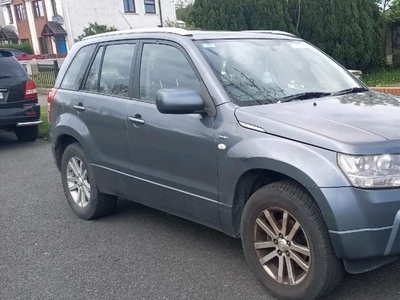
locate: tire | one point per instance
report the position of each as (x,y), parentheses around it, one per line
(93,204)
(322,272)
(27,133)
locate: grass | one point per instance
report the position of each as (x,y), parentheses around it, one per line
(388,76)
(44,132)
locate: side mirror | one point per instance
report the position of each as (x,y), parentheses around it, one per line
(179,101)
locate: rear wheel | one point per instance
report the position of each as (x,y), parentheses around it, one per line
(80,186)
(27,133)
(287,245)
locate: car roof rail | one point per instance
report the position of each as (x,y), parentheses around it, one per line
(278,32)
(172,30)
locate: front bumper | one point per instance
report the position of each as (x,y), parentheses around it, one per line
(363,224)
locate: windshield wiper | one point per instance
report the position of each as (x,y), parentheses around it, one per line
(350,91)
(304,96)
(5,76)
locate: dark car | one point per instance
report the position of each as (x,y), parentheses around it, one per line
(22,56)
(259,135)
(19,108)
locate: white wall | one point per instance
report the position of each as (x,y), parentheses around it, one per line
(78,14)
(6,17)
(32,28)
(2,19)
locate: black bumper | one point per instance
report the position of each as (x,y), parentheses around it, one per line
(23,115)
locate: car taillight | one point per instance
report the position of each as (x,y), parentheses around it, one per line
(30,90)
(50,99)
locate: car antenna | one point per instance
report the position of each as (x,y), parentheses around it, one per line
(125,19)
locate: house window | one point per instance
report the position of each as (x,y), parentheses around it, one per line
(25,41)
(20,12)
(38,8)
(150,6)
(129,6)
(10,16)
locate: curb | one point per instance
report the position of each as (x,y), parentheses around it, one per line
(389,90)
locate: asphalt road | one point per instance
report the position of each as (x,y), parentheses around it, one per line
(137,253)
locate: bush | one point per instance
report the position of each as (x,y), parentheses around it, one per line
(25,47)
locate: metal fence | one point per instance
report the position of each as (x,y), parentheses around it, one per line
(45,75)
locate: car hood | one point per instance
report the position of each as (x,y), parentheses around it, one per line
(362,123)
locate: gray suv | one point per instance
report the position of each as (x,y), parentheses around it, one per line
(257,134)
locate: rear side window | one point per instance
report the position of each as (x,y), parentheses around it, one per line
(76,69)
(9,66)
(112,74)
(92,81)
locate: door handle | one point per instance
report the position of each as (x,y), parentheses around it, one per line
(137,120)
(79,107)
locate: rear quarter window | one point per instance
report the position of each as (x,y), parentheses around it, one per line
(9,66)
(76,70)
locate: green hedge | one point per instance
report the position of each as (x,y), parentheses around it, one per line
(25,47)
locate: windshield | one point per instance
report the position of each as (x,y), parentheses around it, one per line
(266,71)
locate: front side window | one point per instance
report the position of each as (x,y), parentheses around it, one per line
(267,71)
(75,72)
(129,6)
(38,8)
(20,12)
(165,67)
(150,6)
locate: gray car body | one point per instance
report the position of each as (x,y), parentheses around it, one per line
(174,162)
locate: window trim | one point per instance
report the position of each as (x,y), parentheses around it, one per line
(153,4)
(23,12)
(10,15)
(210,105)
(127,8)
(93,57)
(36,8)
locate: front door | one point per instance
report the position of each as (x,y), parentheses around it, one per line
(173,157)
(61,45)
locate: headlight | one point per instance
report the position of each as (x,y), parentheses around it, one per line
(376,171)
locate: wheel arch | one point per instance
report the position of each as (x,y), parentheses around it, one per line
(253,179)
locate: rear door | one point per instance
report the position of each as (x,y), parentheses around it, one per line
(12,79)
(101,104)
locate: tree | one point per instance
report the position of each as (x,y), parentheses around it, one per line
(347,30)
(183,10)
(95,28)
(218,15)
(268,15)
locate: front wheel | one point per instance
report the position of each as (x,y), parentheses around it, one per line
(287,245)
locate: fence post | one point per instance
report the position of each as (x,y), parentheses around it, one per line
(56,68)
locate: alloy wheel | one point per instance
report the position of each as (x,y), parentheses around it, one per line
(282,246)
(78,182)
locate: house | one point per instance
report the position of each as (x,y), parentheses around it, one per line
(52,26)
(32,21)
(2,20)
(123,14)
